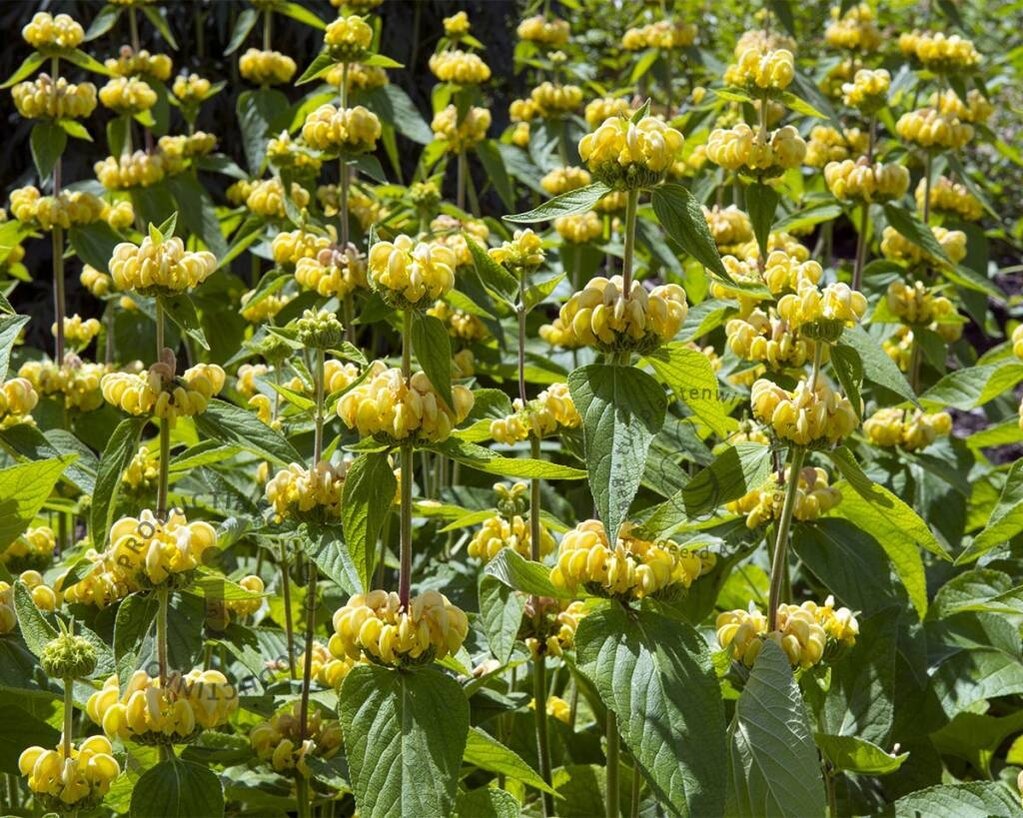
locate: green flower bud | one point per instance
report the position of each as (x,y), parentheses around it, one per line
(68,657)
(319,329)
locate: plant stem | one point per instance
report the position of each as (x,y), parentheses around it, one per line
(302,794)
(407,450)
(861,246)
(778,563)
(318,434)
(611,796)
(815,370)
(58,283)
(163,485)
(542,741)
(267,28)
(159,328)
(461,180)
(69,714)
(163,602)
(133,27)
(631,206)
(637,785)
(927,190)
(343,166)
(310,630)
(289,627)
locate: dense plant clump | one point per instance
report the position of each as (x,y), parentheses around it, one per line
(726,301)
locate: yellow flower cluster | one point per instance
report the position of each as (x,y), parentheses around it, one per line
(828,144)
(975,109)
(147,552)
(916,304)
(326,670)
(662,34)
(1017,342)
(348,38)
(763,40)
(66,783)
(464,135)
(385,405)
(933,130)
(557,708)
(288,247)
(855,30)
(18,398)
(940,53)
(130,170)
(728,226)
(42,98)
(601,315)
(130,63)
(118,215)
(762,70)
(44,31)
(563,179)
(375,625)
(460,324)
(191,88)
(804,416)
(410,272)
(100,587)
(788,268)
(338,375)
(507,532)
(77,381)
(912,431)
(580,228)
(333,271)
(763,336)
(33,549)
(159,265)
(603,108)
(547,414)
(149,713)
(552,32)
(626,154)
(158,393)
(448,230)
(199,143)
(741,149)
(8,615)
(896,247)
(78,333)
(266,199)
(360,77)
(457,25)
(284,152)
(127,95)
(860,181)
(459,67)
(868,90)
(551,101)
(523,254)
(280,740)
(142,471)
(814,497)
(558,632)
(297,491)
(950,197)
(837,303)
(266,67)
(342,130)
(67,209)
(44,597)
(632,569)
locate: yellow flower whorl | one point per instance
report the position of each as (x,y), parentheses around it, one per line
(266,67)
(459,67)
(553,32)
(909,430)
(342,130)
(127,95)
(580,228)
(279,740)
(461,135)
(159,265)
(814,497)
(860,181)
(297,491)
(753,153)
(77,781)
(628,155)
(146,552)
(762,70)
(46,31)
(138,169)
(500,532)
(549,413)
(409,272)
(932,130)
(804,416)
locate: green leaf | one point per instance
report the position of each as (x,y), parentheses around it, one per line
(231,424)
(10,329)
(432,346)
(799,105)
(981,590)
(974,386)
(159,22)
(689,374)
(915,230)
(366,500)
(332,557)
(487,753)
(25,70)
(497,173)
(118,453)
(575,201)
(34,627)
(394,106)
(75,129)
(849,369)
(682,219)
(878,368)
(198,212)
(501,612)
(487,802)
(405,735)
(176,788)
(1006,520)
(320,65)
(86,61)
(48,141)
(478,457)
(976,799)
(855,755)
(762,203)
(517,572)
(775,769)
(94,244)
(181,311)
(492,274)
(28,442)
(382,61)
(20,729)
(133,621)
(370,166)
(296,11)
(260,113)
(242,26)
(622,409)
(656,675)
(23,490)
(539,292)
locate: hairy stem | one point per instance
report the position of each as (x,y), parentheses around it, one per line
(289,627)
(611,802)
(318,434)
(778,563)
(631,206)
